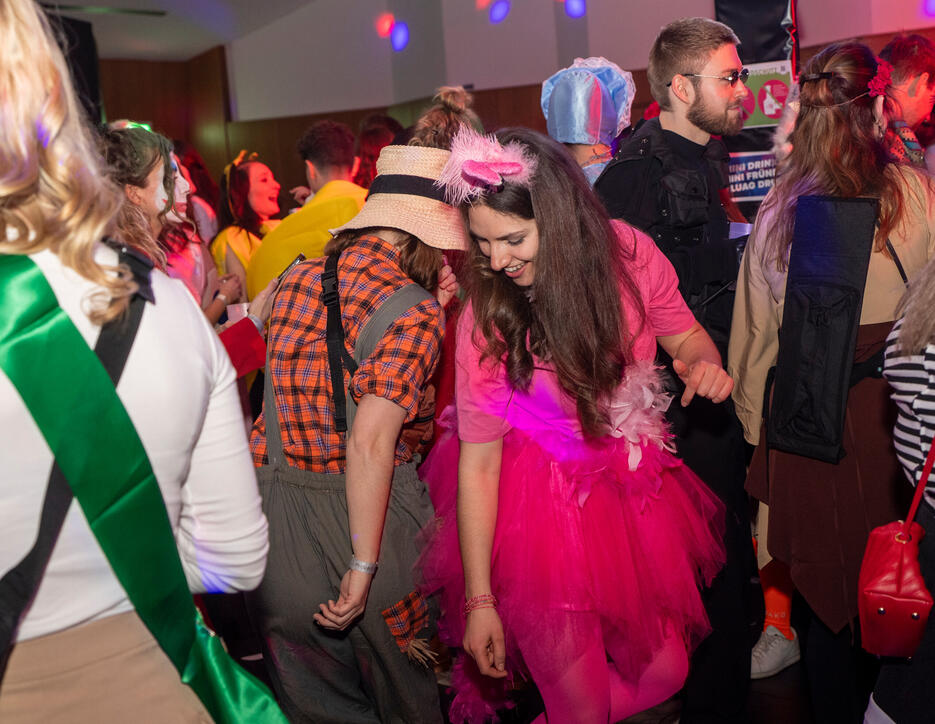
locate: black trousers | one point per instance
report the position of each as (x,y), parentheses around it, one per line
(839,672)
(710,441)
(906,688)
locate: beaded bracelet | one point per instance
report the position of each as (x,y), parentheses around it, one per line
(485,600)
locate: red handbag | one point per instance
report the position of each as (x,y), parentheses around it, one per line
(893,602)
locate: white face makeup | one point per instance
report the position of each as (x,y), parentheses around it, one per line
(182,190)
(152,197)
(510,242)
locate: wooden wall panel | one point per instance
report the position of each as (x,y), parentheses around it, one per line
(209,107)
(191,100)
(275,141)
(876,43)
(147,91)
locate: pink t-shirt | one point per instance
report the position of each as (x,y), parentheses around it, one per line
(489,406)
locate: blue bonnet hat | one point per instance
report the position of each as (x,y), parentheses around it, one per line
(588,102)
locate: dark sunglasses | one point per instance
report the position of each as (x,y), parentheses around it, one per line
(734,76)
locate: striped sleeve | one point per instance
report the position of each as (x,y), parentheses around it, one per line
(912,378)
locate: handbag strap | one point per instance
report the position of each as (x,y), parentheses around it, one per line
(899,265)
(920,488)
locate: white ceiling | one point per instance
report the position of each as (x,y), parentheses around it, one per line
(189,27)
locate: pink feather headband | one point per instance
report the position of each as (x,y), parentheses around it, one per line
(479,164)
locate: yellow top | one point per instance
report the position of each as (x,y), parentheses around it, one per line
(233,248)
(305,232)
(243,243)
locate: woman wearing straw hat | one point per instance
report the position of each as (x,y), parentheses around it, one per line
(344,629)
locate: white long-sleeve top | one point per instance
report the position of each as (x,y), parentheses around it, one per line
(179,389)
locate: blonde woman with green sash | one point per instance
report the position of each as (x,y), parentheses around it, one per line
(126,483)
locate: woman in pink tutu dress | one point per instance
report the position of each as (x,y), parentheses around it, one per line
(569,542)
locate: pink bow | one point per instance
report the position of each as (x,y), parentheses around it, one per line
(489,173)
(478,164)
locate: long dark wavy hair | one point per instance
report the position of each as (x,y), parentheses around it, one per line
(572,314)
(837,148)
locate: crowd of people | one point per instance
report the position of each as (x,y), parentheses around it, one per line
(512,410)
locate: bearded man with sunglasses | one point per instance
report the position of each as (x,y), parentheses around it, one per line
(667,179)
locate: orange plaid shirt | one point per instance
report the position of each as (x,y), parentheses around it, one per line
(398,370)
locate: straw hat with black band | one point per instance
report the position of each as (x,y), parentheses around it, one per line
(404,196)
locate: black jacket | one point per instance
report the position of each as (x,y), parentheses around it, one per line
(668,187)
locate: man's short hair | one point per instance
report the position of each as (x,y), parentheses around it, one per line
(910,56)
(683,46)
(328,143)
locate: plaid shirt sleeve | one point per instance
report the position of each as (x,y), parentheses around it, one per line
(404,359)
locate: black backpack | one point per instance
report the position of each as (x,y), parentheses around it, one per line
(830,254)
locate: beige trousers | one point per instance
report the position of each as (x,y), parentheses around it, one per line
(105,672)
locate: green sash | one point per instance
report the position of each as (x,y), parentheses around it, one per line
(70,396)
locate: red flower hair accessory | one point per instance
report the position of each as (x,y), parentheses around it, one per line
(878,84)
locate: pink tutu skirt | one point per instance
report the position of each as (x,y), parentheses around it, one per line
(577,531)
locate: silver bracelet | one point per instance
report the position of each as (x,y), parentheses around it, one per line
(358,565)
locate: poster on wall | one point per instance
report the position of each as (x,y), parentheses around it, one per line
(767,89)
(751,175)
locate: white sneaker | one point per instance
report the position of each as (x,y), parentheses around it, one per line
(773,653)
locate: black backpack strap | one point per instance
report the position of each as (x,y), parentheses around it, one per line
(19,585)
(338,358)
(897,262)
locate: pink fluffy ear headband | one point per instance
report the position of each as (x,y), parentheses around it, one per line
(479,164)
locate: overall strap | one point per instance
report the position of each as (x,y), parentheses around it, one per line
(388,312)
(274,450)
(393,307)
(338,358)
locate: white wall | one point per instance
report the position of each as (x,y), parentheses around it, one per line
(503,55)
(826,21)
(326,56)
(322,57)
(624,33)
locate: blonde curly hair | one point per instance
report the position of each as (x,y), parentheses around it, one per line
(53,192)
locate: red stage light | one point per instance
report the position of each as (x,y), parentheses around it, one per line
(384,24)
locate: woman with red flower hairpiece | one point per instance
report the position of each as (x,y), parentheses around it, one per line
(821,513)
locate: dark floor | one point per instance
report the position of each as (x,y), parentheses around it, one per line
(780,699)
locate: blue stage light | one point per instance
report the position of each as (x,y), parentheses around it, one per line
(575,8)
(399,36)
(499,10)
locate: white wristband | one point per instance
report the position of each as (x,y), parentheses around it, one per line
(359,565)
(257,322)
(222,297)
